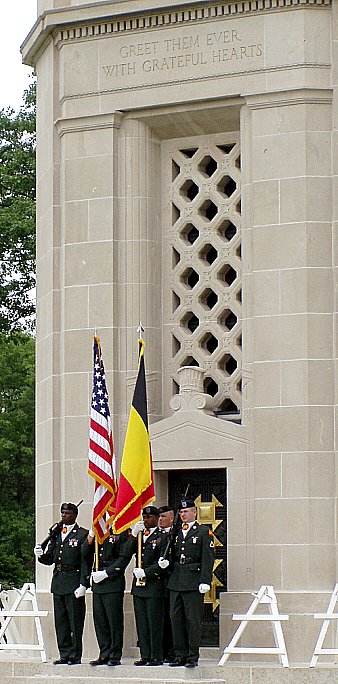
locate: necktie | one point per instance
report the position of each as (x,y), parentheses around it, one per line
(64,530)
(146,533)
(185,526)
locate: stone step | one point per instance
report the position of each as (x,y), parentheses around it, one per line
(24,672)
(126,672)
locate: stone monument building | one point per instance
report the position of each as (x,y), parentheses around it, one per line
(187,179)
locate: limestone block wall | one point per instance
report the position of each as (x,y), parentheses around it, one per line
(118,85)
(48,408)
(289,296)
(335,218)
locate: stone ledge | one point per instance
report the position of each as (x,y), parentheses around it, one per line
(19,672)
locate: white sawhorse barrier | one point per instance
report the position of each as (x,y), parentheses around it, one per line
(12,631)
(326,617)
(267,596)
(27,593)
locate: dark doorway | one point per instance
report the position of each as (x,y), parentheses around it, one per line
(210,486)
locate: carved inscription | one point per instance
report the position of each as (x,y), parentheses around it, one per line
(190,55)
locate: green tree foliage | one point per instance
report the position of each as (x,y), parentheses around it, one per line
(17,215)
(17,267)
(16,458)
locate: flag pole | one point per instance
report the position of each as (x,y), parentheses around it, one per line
(140,582)
(96,553)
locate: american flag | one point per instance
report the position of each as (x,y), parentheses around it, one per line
(101,465)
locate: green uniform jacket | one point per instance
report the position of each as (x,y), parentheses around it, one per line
(70,569)
(114,556)
(192,559)
(152,549)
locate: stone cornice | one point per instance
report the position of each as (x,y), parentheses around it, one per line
(74,23)
(74,124)
(289,97)
(193,14)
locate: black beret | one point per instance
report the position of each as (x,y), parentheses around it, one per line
(69,507)
(165,509)
(187,503)
(151,510)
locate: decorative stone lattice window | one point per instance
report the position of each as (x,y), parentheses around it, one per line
(202,263)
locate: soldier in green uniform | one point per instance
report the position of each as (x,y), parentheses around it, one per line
(165,523)
(191,564)
(148,588)
(69,582)
(108,592)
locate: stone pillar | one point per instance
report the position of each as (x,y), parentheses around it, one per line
(335,216)
(48,249)
(291,353)
(75,261)
(89,152)
(288,357)
(137,269)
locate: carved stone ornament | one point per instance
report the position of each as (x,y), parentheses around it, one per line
(191,396)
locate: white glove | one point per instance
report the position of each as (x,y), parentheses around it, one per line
(38,551)
(80,591)
(91,533)
(99,576)
(138,527)
(139,573)
(203,588)
(163,563)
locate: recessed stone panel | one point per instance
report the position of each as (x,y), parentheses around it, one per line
(79,69)
(179,53)
(88,263)
(95,174)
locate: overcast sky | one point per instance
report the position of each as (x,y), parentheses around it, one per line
(16,19)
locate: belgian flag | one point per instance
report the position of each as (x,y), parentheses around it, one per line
(136,484)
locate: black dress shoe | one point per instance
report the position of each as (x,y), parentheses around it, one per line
(178,662)
(99,661)
(155,662)
(74,661)
(191,663)
(142,661)
(113,662)
(169,658)
(60,661)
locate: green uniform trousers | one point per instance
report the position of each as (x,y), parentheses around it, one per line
(108,623)
(149,625)
(186,614)
(167,642)
(69,617)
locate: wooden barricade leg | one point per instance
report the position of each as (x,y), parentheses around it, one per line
(267,595)
(326,617)
(26,593)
